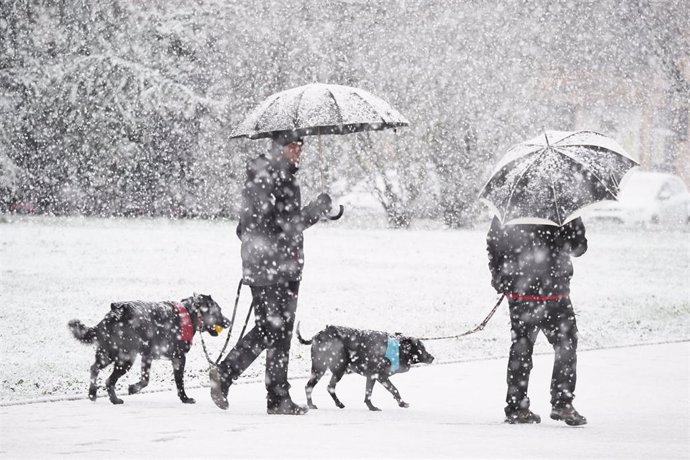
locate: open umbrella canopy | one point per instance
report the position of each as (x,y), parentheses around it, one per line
(319,109)
(549,179)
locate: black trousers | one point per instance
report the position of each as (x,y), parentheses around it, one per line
(556,319)
(274,312)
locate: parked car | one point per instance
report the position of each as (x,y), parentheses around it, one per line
(646,198)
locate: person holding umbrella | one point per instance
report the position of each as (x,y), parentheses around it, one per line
(536,191)
(272,221)
(531,265)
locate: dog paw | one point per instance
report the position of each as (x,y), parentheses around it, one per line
(188,400)
(403,404)
(312,406)
(372,407)
(340,405)
(116,401)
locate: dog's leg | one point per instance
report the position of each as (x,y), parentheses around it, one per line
(388,385)
(316,374)
(335,378)
(367,394)
(120,369)
(178,369)
(144,378)
(102,360)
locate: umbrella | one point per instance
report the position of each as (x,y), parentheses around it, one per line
(549,179)
(319,108)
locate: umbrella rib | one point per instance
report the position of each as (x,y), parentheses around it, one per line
(555,201)
(520,176)
(295,120)
(258,119)
(574,133)
(592,144)
(337,106)
(375,111)
(584,167)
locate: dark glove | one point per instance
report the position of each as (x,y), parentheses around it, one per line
(323,203)
(498,284)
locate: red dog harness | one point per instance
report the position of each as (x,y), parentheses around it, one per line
(535,298)
(186,326)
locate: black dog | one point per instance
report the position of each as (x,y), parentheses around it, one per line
(153,329)
(373,354)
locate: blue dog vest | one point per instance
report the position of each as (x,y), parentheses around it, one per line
(393,353)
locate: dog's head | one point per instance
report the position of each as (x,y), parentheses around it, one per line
(414,351)
(209,313)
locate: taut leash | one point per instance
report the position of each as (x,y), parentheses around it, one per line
(471,331)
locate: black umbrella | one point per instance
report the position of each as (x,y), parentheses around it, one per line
(550,178)
(319,108)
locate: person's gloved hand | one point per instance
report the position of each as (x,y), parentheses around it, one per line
(324,203)
(498,284)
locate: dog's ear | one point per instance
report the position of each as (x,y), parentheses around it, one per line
(208,299)
(407,343)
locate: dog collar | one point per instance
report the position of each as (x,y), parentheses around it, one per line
(186,326)
(393,353)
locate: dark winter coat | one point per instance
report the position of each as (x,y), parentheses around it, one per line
(272,221)
(534,259)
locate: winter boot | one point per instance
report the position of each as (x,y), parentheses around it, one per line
(519,416)
(284,405)
(568,414)
(220,383)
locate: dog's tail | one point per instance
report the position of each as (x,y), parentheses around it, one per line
(299,337)
(82,333)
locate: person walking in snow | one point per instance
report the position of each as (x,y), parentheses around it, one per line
(271,224)
(531,265)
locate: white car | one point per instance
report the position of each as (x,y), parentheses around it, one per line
(646,198)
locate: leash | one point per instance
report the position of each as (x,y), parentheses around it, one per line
(246,321)
(471,331)
(232,323)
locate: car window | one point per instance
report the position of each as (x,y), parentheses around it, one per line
(666,191)
(677,186)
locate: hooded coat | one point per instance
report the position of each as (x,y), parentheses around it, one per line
(534,259)
(272,221)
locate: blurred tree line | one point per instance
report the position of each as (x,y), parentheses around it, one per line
(123,107)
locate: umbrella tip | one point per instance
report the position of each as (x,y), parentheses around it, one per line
(546,137)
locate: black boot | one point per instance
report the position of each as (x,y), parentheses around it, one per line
(220,383)
(568,414)
(519,416)
(283,405)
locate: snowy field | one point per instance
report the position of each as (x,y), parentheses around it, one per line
(630,288)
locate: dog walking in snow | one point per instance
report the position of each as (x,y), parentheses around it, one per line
(153,330)
(373,354)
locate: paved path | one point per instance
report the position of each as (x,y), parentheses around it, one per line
(636,400)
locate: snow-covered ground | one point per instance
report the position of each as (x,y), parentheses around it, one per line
(636,400)
(630,288)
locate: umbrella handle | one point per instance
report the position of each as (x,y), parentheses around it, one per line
(337,216)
